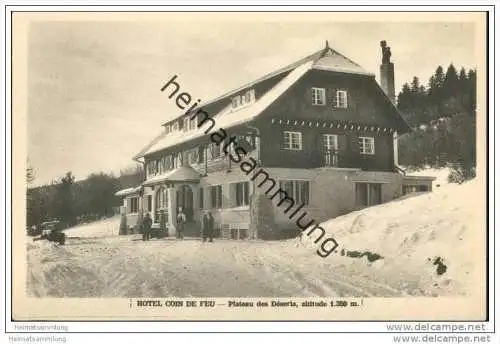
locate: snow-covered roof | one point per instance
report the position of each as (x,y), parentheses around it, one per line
(128,191)
(228,117)
(181,174)
(324,59)
(333,61)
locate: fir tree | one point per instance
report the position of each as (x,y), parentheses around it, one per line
(451,84)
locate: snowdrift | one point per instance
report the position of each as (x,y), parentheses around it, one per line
(431,244)
(102,228)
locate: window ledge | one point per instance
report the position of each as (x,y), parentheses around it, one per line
(242,207)
(353,169)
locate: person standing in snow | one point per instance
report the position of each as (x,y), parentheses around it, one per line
(204,233)
(207,227)
(146,227)
(210,227)
(181,220)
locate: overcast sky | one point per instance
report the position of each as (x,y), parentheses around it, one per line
(94,87)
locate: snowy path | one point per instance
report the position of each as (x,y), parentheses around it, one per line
(122,267)
(409,233)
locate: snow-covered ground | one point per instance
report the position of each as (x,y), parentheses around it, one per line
(412,233)
(409,233)
(103,228)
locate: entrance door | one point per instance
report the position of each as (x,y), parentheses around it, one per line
(185,200)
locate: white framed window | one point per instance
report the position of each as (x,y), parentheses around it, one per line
(216,196)
(341,99)
(243,99)
(193,156)
(292,140)
(330,142)
(161,199)
(242,194)
(193,123)
(185,125)
(249,96)
(177,160)
(368,194)
(214,151)
(168,161)
(318,96)
(133,205)
(154,167)
(331,147)
(167,129)
(175,126)
(235,102)
(366,145)
(298,190)
(160,165)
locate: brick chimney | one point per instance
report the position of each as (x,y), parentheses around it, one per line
(387,72)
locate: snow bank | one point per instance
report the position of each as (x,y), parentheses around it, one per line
(102,228)
(412,233)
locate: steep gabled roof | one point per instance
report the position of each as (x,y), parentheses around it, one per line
(324,59)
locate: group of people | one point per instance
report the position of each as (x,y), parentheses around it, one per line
(207,226)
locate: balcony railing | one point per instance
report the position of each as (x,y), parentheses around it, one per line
(331,158)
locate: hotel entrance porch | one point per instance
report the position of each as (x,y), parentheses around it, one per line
(165,194)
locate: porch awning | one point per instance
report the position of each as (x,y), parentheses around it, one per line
(183,174)
(128,191)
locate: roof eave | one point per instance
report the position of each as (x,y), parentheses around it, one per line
(345,71)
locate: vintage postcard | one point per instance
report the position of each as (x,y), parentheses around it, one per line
(249,166)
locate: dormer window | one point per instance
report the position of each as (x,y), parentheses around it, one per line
(167,129)
(243,100)
(236,102)
(249,96)
(341,99)
(193,123)
(318,96)
(175,126)
(185,125)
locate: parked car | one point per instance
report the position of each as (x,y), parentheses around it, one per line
(51,231)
